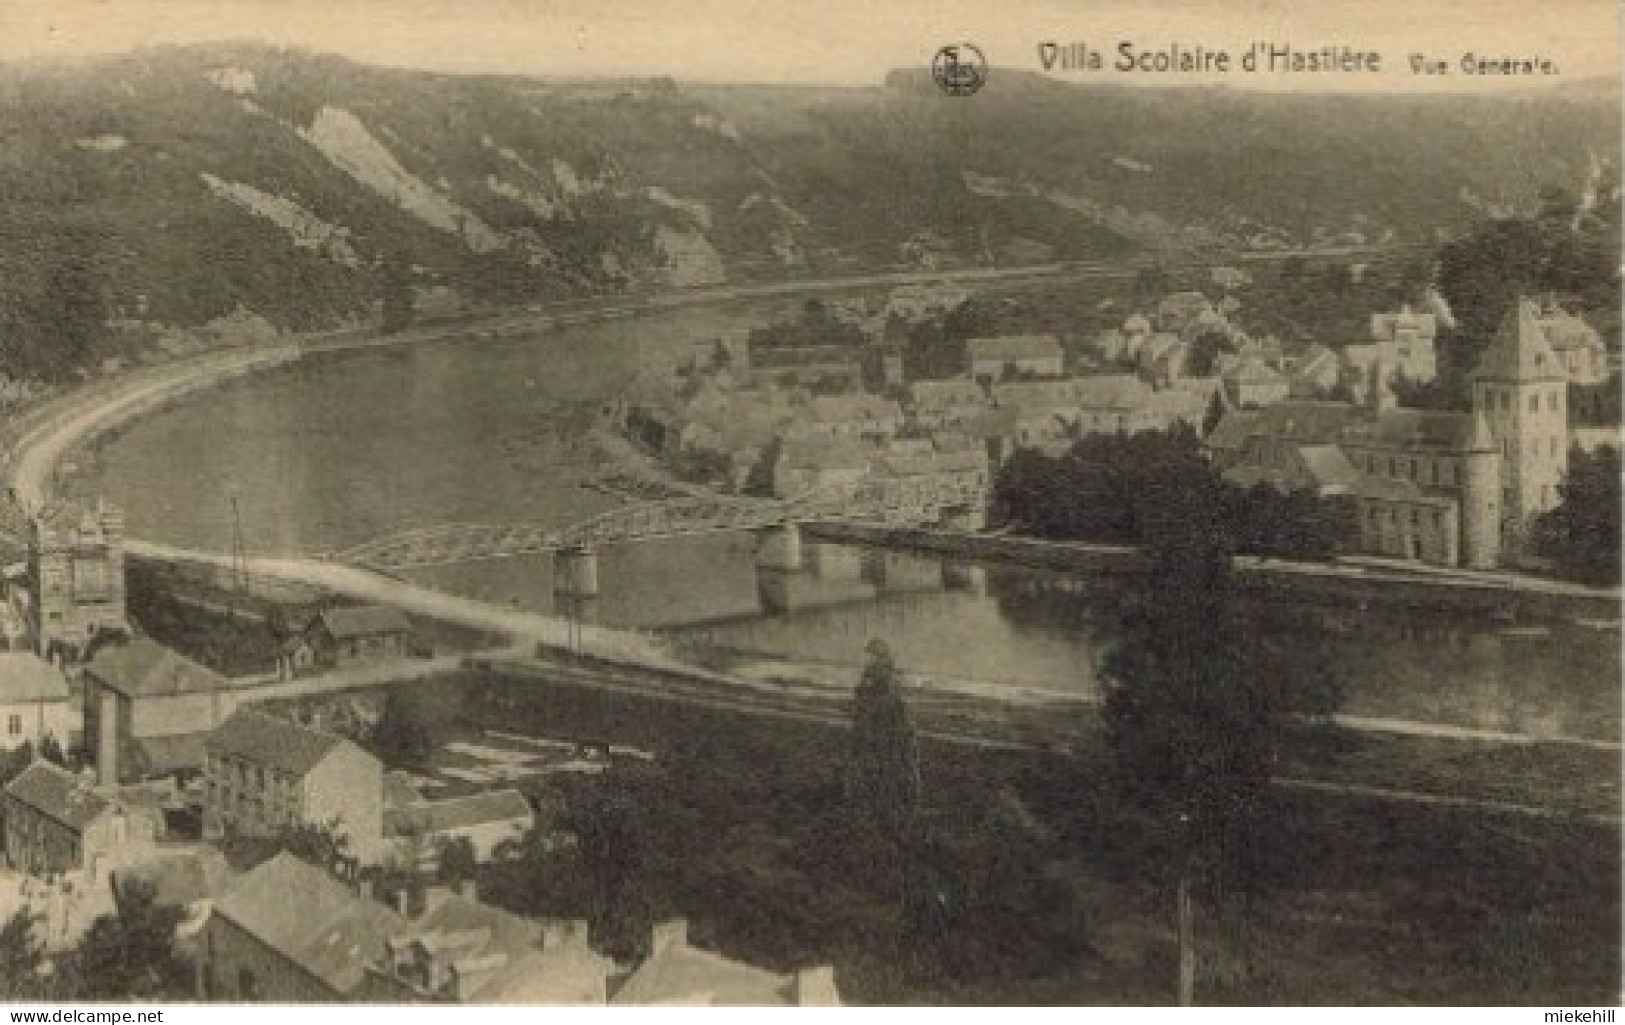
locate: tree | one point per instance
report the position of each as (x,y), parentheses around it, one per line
(21,958)
(1582,534)
(72,310)
(456,860)
(759,479)
(1194,718)
(409,729)
(885,754)
(321,845)
(50,749)
(130,954)
(14,762)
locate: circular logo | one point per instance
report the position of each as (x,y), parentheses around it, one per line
(959,69)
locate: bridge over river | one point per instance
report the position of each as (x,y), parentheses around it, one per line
(955,500)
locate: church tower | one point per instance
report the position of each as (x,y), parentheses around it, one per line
(1521,391)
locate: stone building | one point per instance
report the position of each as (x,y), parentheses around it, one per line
(35,703)
(76,576)
(1441,486)
(58,822)
(146,708)
(289,932)
(990,359)
(263,775)
(1405,343)
(1520,388)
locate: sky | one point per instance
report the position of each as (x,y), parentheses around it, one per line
(846,42)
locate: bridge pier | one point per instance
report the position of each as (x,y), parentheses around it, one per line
(779,548)
(967,518)
(575,583)
(964,576)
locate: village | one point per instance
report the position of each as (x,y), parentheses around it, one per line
(849,393)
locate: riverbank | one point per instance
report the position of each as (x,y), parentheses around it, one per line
(1360,582)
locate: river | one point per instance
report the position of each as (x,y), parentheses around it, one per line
(346,447)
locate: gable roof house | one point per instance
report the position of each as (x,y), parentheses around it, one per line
(485,819)
(263,774)
(35,702)
(58,822)
(990,358)
(678,974)
(351,633)
(462,951)
(289,932)
(140,700)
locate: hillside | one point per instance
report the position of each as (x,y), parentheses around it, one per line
(176,187)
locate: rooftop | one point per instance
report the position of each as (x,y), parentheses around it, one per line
(677,974)
(1014,347)
(141,667)
(504,958)
(312,919)
(25,676)
(261,739)
(364,621)
(438,816)
(1343,423)
(1519,351)
(58,794)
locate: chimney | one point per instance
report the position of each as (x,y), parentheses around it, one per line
(815,987)
(107,738)
(1380,398)
(668,935)
(403,902)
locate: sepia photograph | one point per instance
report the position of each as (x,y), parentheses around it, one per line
(1062,503)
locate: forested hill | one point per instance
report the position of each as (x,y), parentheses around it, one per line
(179,186)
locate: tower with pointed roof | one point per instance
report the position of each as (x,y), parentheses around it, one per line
(76,574)
(1520,390)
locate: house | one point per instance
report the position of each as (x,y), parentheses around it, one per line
(35,703)
(141,703)
(289,932)
(993,359)
(484,819)
(957,476)
(58,822)
(1576,344)
(938,404)
(347,635)
(1316,374)
(1252,383)
(263,774)
(1406,341)
(676,973)
(808,464)
(76,577)
(332,944)
(1177,313)
(848,416)
(464,952)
